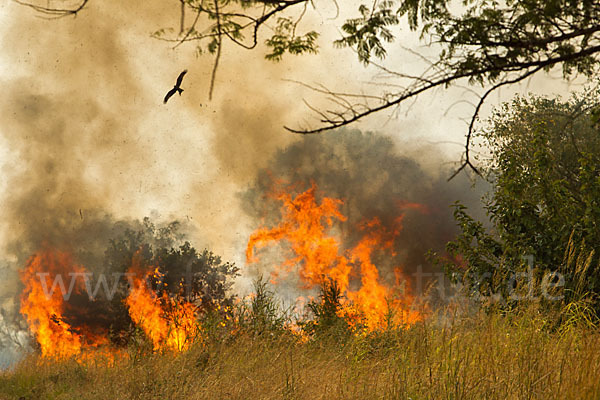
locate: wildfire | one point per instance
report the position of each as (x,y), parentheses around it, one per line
(52,279)
(167,323)
(307,227)
(302,226)
(43,304)
(310,229)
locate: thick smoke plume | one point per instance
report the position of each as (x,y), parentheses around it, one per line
(87,147)
(375,178)
(71,124)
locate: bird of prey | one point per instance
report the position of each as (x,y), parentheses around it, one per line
(176,88)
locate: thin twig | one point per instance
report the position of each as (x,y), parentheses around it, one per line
(58,12)
(182,19)
(218,56)
(467,162)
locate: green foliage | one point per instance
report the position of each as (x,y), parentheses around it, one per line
(480,40)
(368,31)
(486,39)
(474,248)
(545,167)
(199,276)
(262,314)
(184,273)
(491,37)
(285,39)
(328,321)
(486,42)
(240,22)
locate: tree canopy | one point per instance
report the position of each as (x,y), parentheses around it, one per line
(181,273)
(489,43)
(544,205)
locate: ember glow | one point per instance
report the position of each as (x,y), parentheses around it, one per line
(309,229)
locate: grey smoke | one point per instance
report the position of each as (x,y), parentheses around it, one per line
(84,128)
(372,175)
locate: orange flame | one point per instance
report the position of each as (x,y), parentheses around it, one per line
(50,276)
(306,226)
(169,324)
(303,228)
(43,304)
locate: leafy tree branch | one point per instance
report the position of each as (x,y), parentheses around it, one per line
(485,43)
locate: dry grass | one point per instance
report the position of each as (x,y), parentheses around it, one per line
(491,356)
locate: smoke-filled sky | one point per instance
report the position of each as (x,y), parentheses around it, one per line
(85,139)
(84,127)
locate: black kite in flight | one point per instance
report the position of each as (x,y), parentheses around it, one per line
(176,88)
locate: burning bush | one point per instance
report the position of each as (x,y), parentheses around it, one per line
(317,255)
(155,285)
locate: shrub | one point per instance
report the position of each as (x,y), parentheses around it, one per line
(545,171)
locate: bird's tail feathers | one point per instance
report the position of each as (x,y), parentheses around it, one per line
(179,91)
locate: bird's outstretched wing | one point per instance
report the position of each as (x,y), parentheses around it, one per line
(180,77)
(171,93)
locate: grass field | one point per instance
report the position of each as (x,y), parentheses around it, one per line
(519,355)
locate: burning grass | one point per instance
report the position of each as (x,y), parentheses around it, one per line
(361,338)
(493,356)
(316,253)
(166,308)
(253,351)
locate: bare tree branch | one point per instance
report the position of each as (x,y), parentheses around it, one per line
(350,114)
(55,12)
(467,161)
(487,44)
(218,56)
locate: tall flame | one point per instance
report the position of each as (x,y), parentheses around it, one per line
(168,323)
(307,227)
(51,277)
(304,226)
(43,304)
